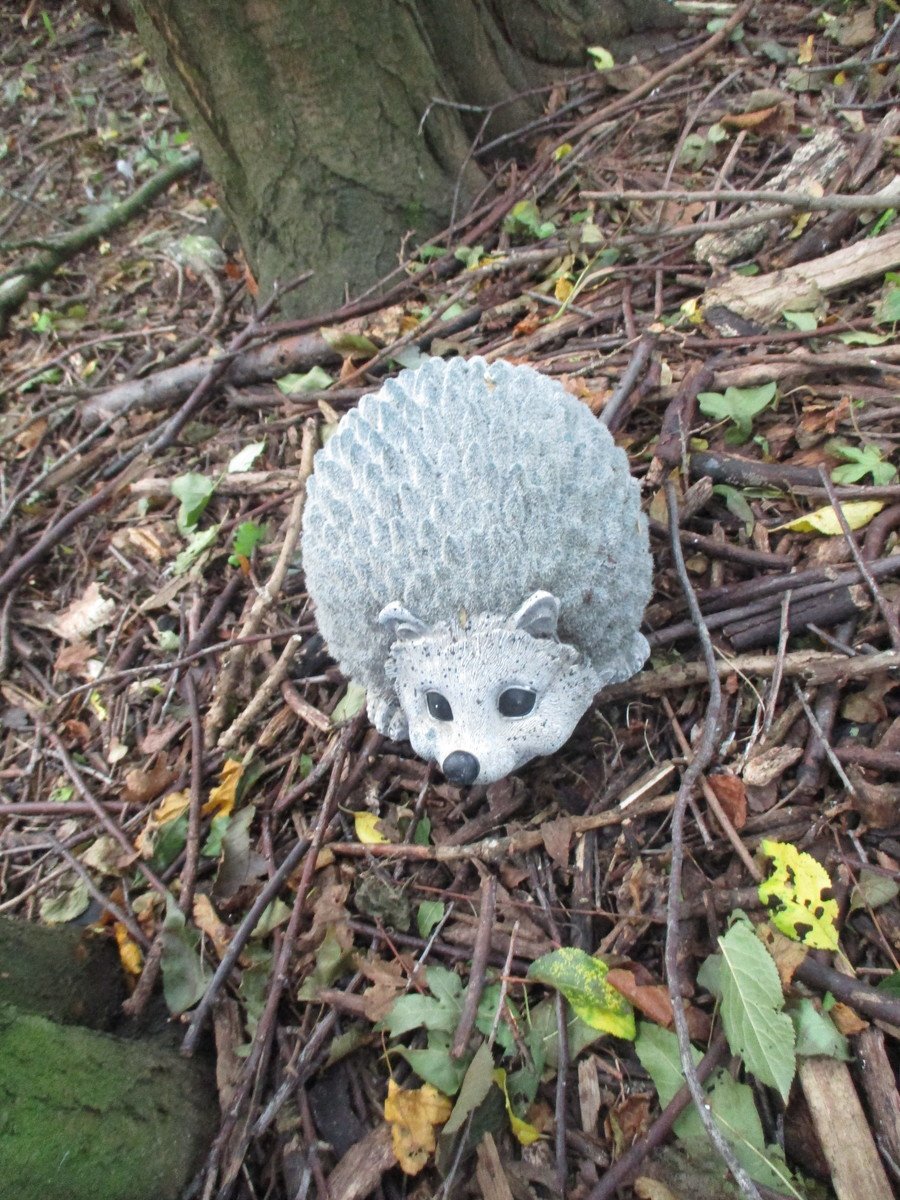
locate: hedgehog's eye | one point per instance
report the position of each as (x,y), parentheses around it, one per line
(516,702)
(439,706)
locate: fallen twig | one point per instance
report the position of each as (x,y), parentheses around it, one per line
(22,279)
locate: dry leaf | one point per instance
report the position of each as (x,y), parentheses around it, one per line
(846,1019)
(787,953)
(748,120)
(209,922)
(142,786)
(222,796)
(130,954)
(74,659)
(730,792)
(414,1117)
(84,615)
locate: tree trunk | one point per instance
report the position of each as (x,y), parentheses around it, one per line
(318,120)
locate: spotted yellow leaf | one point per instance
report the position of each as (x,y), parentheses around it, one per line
(793,895)
(582,980)
(413,1117)
(857,513)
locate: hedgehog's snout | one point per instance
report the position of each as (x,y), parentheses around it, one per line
(461,768)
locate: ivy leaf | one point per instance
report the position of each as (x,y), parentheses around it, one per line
(438,1012)
(737,504)
(752,1003)
(738,405)
(793,894)
(861,461)
(887,311)
(434,1064)
(582,980)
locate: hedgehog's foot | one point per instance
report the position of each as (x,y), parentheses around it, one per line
(387,716)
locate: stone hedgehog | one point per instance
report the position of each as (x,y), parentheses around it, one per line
(475,549)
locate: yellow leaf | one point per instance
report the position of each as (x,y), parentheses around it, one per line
(805,54)
(171,808)
(413,1117)
(221,797)
(209,922)
(793,894)
(857,513)
(367,829)
(129,951)
(691,309)
(561,151)
(525,1134)
(563,289)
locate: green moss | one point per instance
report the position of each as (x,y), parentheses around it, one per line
(86,1116)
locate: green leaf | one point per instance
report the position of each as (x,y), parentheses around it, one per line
(890,984)
(543,1034)
(525,218)
(816,1033)
(169,842)
(793,894)
(737,504)
(860,462)
(273,915)
(739,405)
(348,343)
(731,1103)
(68,900)
(195,492)
(247,537)
(352,702)
(199,543)
(487,1010)
(331,961)
(244,459)
(434,1064)
(752,1003)
(212,847)
(438,1012)
(184,976)
(476,1084)
(582,980)
(873,890)
(601,58)
(863,338)
(805,321)
(887,311)
(315,380)
(429,914)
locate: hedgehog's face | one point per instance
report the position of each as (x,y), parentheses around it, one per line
(481,701)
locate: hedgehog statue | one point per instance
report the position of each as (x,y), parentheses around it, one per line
(475,549)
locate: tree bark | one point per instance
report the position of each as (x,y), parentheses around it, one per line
(318,120)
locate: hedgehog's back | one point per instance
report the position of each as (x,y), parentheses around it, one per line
(466,486)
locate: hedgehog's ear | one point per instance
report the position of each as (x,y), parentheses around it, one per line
(400,622)
(537,616)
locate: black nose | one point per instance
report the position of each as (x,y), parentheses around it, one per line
(461,767)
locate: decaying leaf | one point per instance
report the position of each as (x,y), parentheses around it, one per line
(414,1117)
(582,980)
(84,616)
(793,894)
(368,829)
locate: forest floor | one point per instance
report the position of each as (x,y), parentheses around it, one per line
(181,763)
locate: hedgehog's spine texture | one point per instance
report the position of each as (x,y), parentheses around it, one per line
(465,486)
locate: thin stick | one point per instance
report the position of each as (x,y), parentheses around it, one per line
(479,964)
(890,616)
(887,198)
(704,755)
